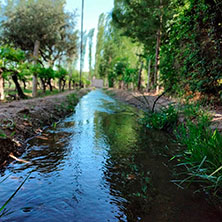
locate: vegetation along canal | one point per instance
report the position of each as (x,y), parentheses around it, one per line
(99,165)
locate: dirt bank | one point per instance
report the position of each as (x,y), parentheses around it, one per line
(145,101)
(20,120)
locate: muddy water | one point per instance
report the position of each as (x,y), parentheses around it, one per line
(99,165)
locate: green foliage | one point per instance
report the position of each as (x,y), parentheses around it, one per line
(72,101)
(61,73)
(203,155)
(140,19)
(116,56)
(191,44)
(191,54)
(165,119)
(25,22)
(2,134)
(90,37)
(12,64)
(47,73)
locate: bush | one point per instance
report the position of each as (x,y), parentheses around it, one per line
(165,119)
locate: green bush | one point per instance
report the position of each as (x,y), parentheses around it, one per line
(72,101)
(166,118)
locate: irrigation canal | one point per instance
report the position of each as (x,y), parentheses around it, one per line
(99,165)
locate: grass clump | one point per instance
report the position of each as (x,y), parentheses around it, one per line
(201,155)
(202,158)
(165,119)
(72,101)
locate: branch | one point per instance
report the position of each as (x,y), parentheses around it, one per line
(162,94)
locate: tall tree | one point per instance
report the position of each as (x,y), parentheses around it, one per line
(117,55)
(90,39)
(84,44)
(142,21)
(99,42)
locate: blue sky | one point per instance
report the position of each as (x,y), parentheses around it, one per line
(93,8)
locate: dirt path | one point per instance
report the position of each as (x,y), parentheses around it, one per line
(145,101)
(20,120)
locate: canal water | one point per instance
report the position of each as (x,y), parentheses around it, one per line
(99,165)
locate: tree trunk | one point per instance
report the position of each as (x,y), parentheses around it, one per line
(140,76)
(70,84)
(157,61)
(63,84)
(148,79)
(18,87)
(2,94)
(43,84)
(158,43)
(35,78)
(60,85)
(50,85)
(9,84)
(119,84)
(24,84)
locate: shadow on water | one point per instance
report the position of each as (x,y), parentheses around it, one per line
(100,165)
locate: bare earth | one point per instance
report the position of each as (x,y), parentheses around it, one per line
(23,119)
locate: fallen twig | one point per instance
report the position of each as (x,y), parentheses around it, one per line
(17,159)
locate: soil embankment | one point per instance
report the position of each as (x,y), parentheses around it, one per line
(20,120)
(145,101)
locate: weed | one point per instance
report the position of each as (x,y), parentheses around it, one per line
(166,118)
(54,125)
(8,124)
(72,100)
(2,134)
(202,157)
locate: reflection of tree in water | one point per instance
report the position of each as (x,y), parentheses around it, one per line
(125,172)
(47,152)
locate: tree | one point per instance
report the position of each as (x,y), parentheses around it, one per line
(45,75)
(99,42)
(40,26)
(143,21)
(115,49)
(90,37)
(61,74)
(85,37)
(11,64)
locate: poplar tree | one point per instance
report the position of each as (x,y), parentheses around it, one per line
(90,39)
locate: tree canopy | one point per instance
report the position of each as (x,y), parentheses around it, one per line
(45,21)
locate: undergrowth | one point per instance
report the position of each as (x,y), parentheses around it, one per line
(72,101)
(164,119)
(201,159)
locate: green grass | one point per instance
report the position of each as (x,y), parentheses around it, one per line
(165,119)
(48,92)
(200,157)
(28,92)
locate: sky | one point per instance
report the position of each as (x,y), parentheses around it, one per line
(92,10)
